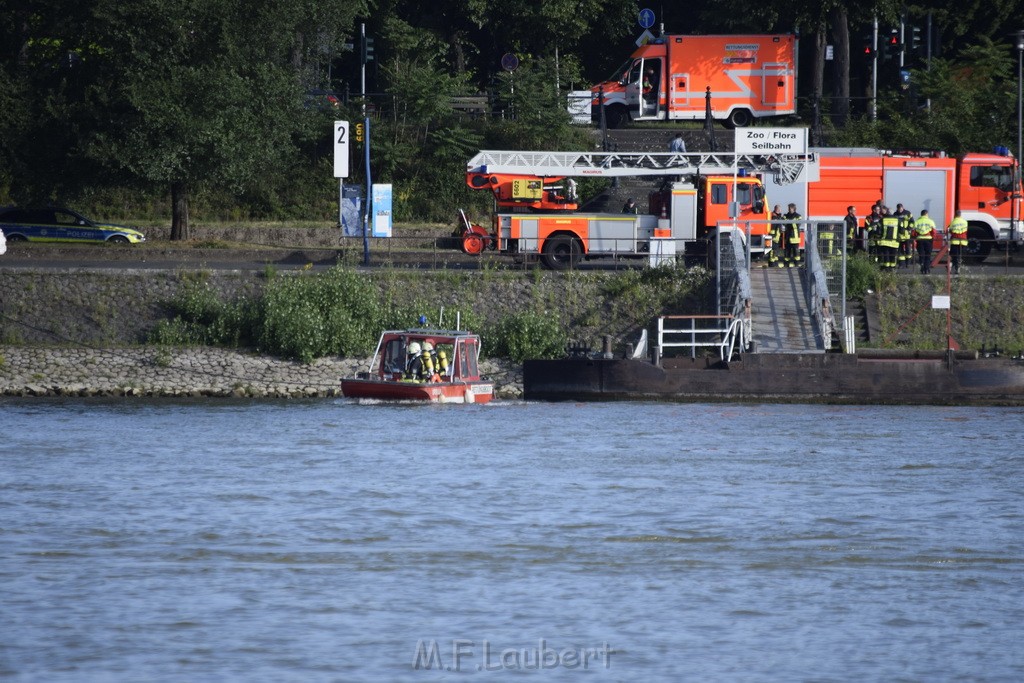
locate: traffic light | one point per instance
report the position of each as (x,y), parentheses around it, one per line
(915,39)
(868,43)
(893,46)
(365,49)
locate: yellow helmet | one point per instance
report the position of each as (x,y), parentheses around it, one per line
(427,346)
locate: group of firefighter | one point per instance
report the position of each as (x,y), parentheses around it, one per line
(888,237)
(424,364)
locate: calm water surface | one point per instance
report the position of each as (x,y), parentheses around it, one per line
(332,541)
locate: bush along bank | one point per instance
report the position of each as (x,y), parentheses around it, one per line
(308,315)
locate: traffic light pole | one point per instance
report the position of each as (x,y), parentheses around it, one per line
(1020,117)
(362,65)
(874,69)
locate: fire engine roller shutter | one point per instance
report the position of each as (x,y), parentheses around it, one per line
(919,189)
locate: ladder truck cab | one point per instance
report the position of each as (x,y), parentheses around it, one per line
(986,188)
(536,204)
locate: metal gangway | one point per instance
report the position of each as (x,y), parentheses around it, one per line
(789,310)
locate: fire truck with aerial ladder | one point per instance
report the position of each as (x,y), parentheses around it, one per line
(536,215)
(985,188)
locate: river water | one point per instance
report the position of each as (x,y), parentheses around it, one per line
(336,541)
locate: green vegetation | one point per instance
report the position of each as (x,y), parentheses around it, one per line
(528,334)
(862,275)
(986,313)
(307,315)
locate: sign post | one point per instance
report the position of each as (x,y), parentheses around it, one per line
(771,141)
(340,161)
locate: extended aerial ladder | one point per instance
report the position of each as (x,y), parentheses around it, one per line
(787,168)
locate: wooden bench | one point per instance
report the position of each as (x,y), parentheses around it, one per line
(475,105)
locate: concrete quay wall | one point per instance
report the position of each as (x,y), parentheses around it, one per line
(190,372)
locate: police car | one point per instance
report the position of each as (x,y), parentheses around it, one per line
(61,225)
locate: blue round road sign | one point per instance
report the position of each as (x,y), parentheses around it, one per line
(646,18)
(509,62)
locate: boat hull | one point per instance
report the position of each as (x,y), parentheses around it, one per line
(418,392)
(794,378)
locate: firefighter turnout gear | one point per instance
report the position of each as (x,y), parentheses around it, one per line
(791,235)
(924,229)
(957,240)
(775,256)
(873,228)
(906,235)
(889,242)
(414,363)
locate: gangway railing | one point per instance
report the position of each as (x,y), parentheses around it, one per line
(724,332)
(824,265)
(732,275)
(826,283)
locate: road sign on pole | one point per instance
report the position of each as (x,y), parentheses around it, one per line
(645,38)
(341,149)
(645,18)
(771,141)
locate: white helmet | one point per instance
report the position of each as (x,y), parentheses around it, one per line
(427,346)
(414,348)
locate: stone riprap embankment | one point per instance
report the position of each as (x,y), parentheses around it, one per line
(191,372)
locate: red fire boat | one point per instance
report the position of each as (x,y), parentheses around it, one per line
(455,378)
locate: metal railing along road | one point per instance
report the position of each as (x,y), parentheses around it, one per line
(440,252)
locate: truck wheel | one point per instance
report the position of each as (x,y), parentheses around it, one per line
(616,116)
(472,243)
(979,243)
(561,253)
(739,118)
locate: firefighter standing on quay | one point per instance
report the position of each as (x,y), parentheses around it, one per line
(906,219)
(957,240)
(873,226)
(853,242)
(889,241)
(775,256)
(924,228)
(791,234)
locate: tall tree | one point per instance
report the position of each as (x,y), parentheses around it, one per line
(840,25)
(205,92)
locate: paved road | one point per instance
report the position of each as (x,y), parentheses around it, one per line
(103,257)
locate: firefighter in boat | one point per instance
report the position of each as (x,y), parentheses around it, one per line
(414,363)
(440,362)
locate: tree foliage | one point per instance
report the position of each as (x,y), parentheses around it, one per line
(206,98)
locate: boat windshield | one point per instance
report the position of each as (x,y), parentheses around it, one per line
(393,357)
(467,359)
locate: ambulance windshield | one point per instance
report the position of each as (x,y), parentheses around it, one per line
(622,76)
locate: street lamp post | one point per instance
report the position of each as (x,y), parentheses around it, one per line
(1020,90)
(1020,128)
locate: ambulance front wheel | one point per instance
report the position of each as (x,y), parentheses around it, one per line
(739,118)
(616,116)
